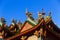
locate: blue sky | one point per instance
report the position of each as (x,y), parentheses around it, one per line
(16,9)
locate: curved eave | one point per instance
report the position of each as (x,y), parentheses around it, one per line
(53,34)
(48,21)
(29,30)
(54,26)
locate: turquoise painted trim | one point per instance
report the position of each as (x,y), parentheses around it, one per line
(32,21)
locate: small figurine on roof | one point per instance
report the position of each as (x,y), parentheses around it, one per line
(2,21)
(19,24)
(3,29)
(12,26)
(39,17)
(43,14)
(13,22)
(29,15)
(50,14)
(48,17)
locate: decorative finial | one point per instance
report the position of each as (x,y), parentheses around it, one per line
(39,12)
(13,20)
(19,22)
(26,10)
(30,14)
(39,15)
(50,14)
(43,12)
(27,13)
(2,20)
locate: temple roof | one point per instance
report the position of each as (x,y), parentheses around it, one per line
(30,25)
